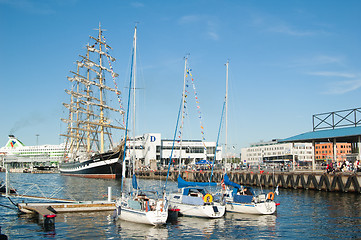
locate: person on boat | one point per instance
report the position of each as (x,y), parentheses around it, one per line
(246,191)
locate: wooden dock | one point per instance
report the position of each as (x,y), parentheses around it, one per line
(46,212)
(88,206)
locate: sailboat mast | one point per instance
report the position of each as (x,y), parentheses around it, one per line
(226,101)
(182,116)
(134,81)
(127,118)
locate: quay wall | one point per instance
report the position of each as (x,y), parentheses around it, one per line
(338,182)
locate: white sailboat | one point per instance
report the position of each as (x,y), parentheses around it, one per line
(139,206)
(241,199)
(193,199)
(142,207)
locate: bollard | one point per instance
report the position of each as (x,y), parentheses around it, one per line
(49,222)
(109,194)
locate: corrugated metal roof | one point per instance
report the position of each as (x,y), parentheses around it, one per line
(325,134)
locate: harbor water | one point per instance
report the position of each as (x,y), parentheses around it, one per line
(305,214)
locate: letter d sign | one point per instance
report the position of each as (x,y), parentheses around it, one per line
(152,138)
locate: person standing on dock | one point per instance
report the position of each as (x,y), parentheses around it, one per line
(330,168)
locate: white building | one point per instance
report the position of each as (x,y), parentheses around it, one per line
(151,146)
(275,152)
(20,156)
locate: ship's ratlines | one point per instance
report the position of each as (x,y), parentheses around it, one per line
(95,115)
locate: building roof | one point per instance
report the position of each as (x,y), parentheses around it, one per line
(349,134)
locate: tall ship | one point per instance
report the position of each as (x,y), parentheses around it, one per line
(20,156)
(95,115)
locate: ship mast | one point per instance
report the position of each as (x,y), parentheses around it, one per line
(87,123)
(101,94)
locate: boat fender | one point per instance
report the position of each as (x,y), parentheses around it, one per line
(223,185)
(208,198)
(271,196)
(146,206)
(161,205)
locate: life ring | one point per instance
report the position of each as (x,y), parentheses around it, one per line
(208,198)
(271,196)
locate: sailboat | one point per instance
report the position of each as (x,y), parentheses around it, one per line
(90,150)
(242,199)
(138,205)
(193,199)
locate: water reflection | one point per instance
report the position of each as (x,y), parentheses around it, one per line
(135,230)
(199,227)
(252,220)
(302,214)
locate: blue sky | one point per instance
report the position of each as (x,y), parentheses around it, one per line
(288,61)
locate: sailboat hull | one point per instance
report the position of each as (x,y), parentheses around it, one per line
(99,166)
(197,208)
(265,208)
(138,216)
(206,211)
(138,211)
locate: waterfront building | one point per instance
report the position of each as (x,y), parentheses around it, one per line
(325,151)
(151,147)
(20,156)
(277,152)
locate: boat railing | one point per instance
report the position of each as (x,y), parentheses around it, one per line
(34,191)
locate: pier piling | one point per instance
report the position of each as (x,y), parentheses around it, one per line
(337,182)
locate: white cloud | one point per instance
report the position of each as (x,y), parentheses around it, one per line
(317,61)
(342,87)
(137,4)
(347,82)
(291,31)
(274,24)
(333,74)
(323,59)
(211,24)
(189,19)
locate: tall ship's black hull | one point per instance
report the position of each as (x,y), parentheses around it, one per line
(106,165)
